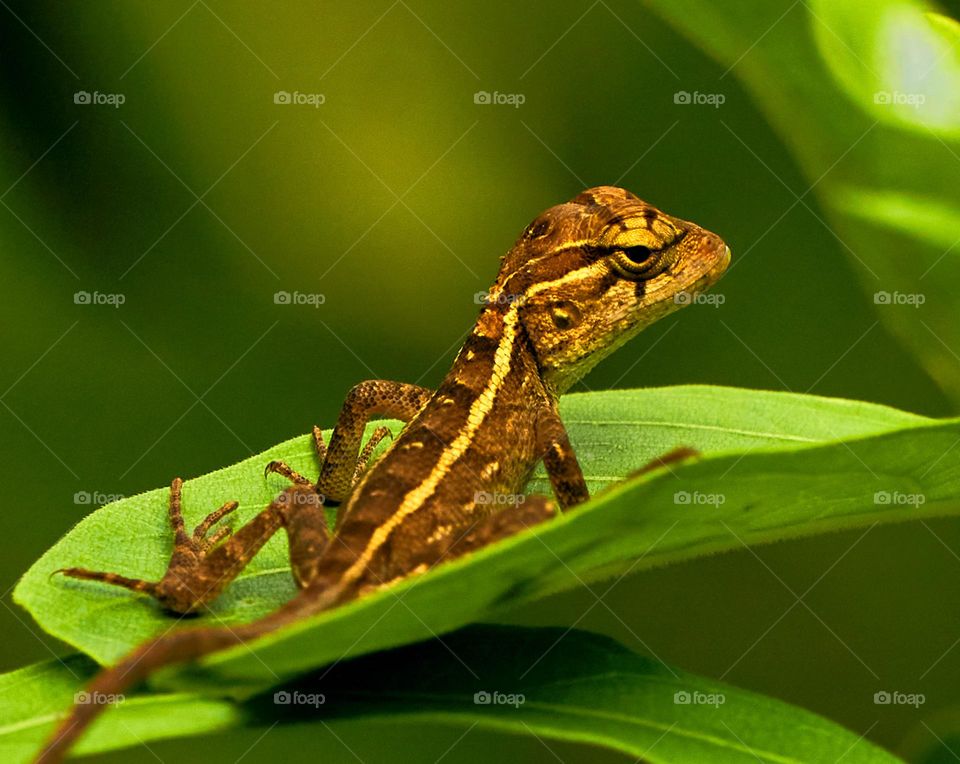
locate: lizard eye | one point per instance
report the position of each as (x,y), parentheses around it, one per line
(637,262)
(639,255)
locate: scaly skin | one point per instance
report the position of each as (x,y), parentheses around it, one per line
(583,278)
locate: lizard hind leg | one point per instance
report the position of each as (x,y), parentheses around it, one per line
(299,509)
(188,550)
(115,579)
(201,566)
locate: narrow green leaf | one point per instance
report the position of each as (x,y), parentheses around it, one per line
(553,683)
(32,699)
(774,468)
(924,218)
(586,688)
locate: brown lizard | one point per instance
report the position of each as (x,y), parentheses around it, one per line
(583,278)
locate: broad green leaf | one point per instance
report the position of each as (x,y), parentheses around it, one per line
(896,62)
(554,683)
(774,467)
(840,81)
(924,218)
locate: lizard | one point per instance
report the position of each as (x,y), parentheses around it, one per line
(583,278)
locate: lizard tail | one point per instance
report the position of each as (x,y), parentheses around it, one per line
(132,669)
(168,650)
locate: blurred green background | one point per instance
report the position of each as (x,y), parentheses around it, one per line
(199,198)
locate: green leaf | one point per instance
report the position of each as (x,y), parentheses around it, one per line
(32,699)
(923,218)
(841,82)
(554,683)
(896,62)
(793,477)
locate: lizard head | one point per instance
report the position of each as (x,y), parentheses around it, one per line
(588,275)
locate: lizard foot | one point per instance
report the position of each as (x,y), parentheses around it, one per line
(189,551)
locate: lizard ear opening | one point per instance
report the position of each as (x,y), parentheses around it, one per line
(565,314)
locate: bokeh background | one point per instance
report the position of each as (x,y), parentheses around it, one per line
(199,198)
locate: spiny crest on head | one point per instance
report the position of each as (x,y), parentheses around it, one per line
(604,196)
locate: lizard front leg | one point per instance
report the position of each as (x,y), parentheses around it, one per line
(563,468)
(375,397)
(566,478)
(340,464)
(560,460)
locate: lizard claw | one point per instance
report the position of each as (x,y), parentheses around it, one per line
(200,532)
(282,468)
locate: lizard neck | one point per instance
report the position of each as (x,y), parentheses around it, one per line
(496,361)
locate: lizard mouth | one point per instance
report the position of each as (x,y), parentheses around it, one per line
(723,262)
(715,257)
